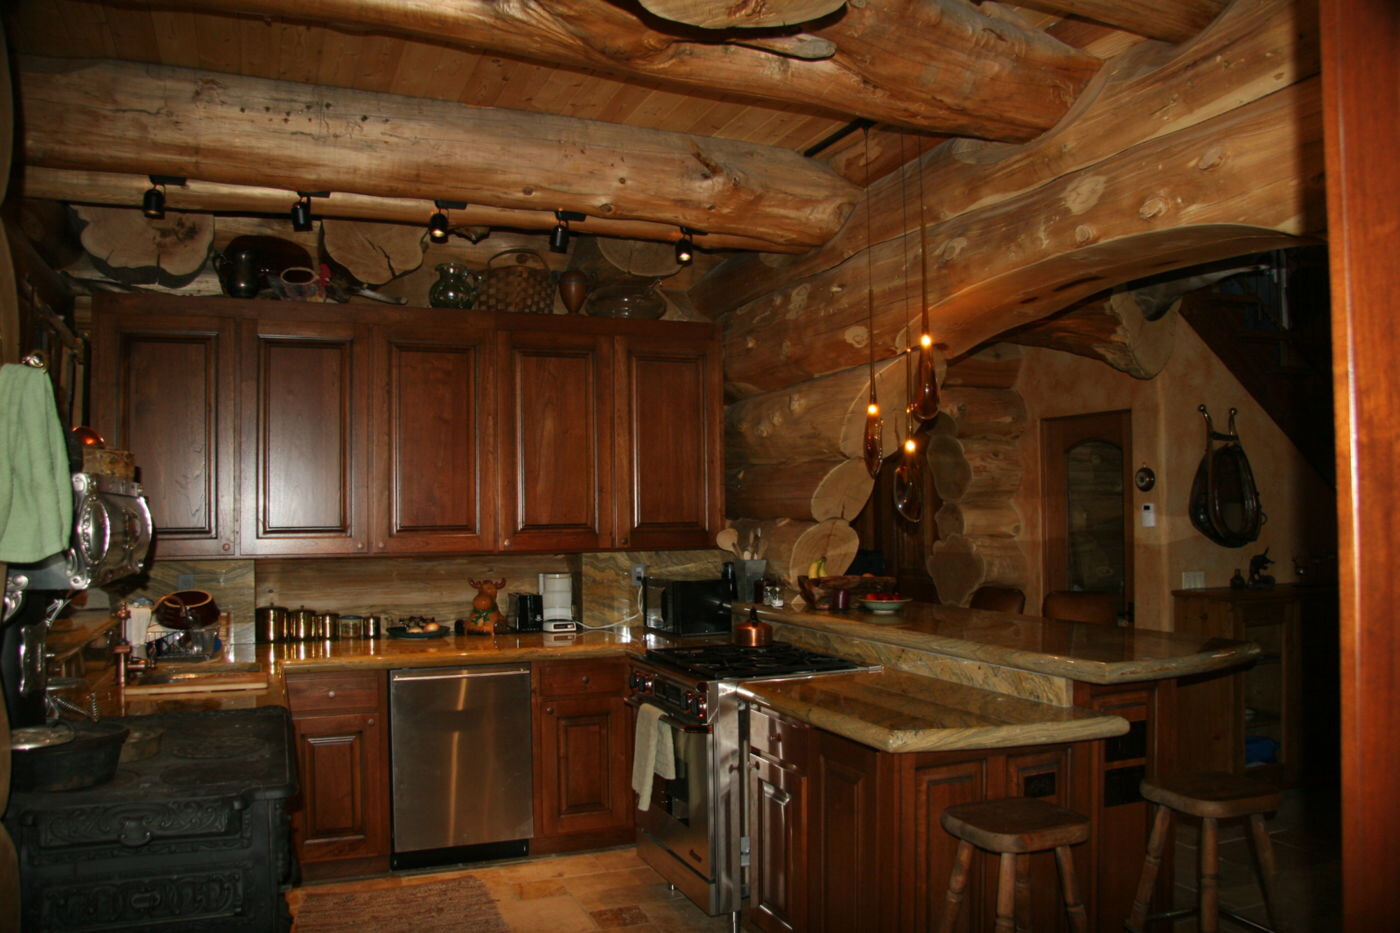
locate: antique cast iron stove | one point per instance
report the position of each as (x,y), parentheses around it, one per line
(194,838)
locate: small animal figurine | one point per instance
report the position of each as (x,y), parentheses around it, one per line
(1258,579)
(485,613)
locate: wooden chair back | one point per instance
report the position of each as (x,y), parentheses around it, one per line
(999,599)
(1098,608)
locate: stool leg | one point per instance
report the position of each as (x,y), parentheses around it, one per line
(1023,893)
(1210,876)
(1078,919)
(1161,822)
(1268,868)
(1006,893)
(957,885)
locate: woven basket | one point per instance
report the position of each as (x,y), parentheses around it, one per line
(517,285)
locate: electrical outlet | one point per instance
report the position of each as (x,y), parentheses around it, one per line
(639,572)
(1193,579)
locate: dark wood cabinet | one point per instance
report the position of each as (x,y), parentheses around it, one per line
(669,458)
(289,429)
(1288,707)
(433,448)
(583,749)
(555,429)
(164,387)
(779,758)
(340,824)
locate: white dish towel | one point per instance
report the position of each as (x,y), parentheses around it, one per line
(653,752)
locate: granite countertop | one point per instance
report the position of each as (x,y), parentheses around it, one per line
(1097,654)
(450,650)
(898,712)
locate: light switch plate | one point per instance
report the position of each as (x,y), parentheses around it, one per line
(1193,580)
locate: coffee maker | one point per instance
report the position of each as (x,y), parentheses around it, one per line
(557,602)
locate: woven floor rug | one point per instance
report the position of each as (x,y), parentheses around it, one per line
(460,904)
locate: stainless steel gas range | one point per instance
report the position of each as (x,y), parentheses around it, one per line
(694,833)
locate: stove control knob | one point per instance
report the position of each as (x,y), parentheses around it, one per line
(634,680)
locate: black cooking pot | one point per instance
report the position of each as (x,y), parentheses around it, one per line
(187,610)
(89,757)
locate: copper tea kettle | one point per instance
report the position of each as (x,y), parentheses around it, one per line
(753,632)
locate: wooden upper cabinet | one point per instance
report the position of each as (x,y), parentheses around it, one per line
(305,461)
(434,460)
(164,388)
(553,436)
(669,461)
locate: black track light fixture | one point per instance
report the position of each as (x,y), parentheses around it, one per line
(439,228)
(153,201)
(685,246)
(559,236)
(302,218)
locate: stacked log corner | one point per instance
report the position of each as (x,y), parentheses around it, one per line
(974,460)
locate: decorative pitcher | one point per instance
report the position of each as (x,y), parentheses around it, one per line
(456,287)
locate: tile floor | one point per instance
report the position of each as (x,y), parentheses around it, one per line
(615,890)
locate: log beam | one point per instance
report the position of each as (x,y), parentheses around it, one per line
(120,117)
(119,189)
(1170,20)
(938,65)
(807,490)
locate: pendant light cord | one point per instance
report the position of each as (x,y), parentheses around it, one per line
(869,269)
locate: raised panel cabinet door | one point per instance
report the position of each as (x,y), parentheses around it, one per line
(434,486)
(343,765)
(556,415)
(305,437)
(845,887)
(669,423)
(778,847)
(164,387)
(585,743)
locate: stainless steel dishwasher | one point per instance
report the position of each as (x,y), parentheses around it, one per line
(459,745)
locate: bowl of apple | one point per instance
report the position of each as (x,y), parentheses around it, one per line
(885,603)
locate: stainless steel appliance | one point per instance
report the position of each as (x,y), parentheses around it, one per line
(694,833)
(459,743)
(688,607)
(529,612)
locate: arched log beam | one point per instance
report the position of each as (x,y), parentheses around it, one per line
(938,65)
(1208,101)
(749,14)
(1171,20)
(1110,329)
(125,190)
(119,117)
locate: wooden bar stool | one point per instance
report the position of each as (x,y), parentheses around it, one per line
(1212,796)
(1014,828)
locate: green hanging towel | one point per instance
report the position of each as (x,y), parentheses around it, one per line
(36,491)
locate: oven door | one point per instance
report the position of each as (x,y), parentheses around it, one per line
(681,816)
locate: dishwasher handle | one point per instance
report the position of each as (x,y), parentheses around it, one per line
(460,673)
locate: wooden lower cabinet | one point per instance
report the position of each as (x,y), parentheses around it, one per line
(843,837)
(583,754)
(340,825)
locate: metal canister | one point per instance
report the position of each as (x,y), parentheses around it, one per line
(375,624)
(271,624)
(326,624)
(302,626)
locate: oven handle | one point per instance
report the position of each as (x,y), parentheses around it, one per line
(666,718)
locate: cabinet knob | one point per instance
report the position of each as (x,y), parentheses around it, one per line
(359,545)
(380,545)
(369,722)
(330,694)
(505,543)
(585,678)
(227,546)
(549,710)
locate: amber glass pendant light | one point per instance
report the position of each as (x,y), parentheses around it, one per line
(923,398)
(872,446)
(908,485)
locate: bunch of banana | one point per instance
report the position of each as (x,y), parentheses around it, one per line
(817,569)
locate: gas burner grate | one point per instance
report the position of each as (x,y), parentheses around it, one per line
(734,662)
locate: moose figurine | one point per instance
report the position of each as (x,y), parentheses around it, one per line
(485,614)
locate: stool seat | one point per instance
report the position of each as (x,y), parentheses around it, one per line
(1020,824)
(1213,794)
(1014,828)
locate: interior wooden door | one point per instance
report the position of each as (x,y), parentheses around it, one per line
(434,458)
(555,419)
(1087,504)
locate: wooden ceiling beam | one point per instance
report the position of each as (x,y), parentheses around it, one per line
(125,118)
(945,66)
(123,190)
(1169,20)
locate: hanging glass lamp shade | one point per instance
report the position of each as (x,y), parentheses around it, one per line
(908,486)
(923,393)
(872,446)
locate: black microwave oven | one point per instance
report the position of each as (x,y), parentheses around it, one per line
(687,607)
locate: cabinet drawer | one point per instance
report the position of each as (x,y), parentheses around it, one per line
(778,739)
(335,690)
(572,678)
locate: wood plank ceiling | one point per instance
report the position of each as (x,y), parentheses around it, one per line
(608,64)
